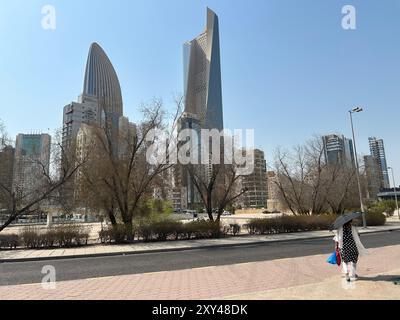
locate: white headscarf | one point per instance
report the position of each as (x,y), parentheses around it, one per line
(339,238)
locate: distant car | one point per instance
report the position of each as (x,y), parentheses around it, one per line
(226,213)
(266,212)
(190,212)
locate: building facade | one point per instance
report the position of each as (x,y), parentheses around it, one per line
(101,81)
(32,156)
(75,114)
(372,177)
(6,173)
(101,101)
(377,149)
(256,183)
(202,97)
(338,150)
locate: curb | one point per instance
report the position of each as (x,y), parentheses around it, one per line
(147,251)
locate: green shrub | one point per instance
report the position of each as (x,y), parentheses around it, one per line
(116,234)
(290,224)
(159,230)
(62,236)
(203,229)
(168,229)
(373,219)
(235,229)
(9,241)
(30,237)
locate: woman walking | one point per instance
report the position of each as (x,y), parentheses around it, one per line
(350,248)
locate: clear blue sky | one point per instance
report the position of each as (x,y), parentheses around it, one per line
(289,70)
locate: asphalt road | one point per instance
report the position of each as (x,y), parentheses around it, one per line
(30,272)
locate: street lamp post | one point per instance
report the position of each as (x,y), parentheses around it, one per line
(356,110)
(395,192)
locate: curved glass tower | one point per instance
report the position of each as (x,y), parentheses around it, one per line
(101,81)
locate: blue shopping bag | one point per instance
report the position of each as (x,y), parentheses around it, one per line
(332,258)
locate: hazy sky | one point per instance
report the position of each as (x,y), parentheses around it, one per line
(289,69)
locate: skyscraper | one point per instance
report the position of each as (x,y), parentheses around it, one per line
(101,100)
(202,95)
(377,149)
(338,150)
(202,76)
(32,156)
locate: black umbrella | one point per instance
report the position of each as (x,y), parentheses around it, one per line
(343,219)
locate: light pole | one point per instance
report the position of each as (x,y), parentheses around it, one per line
(395,192)
(356,110)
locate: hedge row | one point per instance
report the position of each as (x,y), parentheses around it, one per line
(290,224)
(374,219)
(287,224)
(34,238)
(169,230)
(148,230)
(9,241)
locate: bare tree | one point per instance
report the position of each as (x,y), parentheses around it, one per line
(122,180)
(218,186)
(309,185)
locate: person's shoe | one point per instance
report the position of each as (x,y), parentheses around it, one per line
(352,279)
(347,278)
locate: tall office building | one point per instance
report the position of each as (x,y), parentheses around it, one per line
(101,100)
(32,156)
(85,111)
(202,76)
(202,94)
(338,150)
(256,183)
(101,81)
(377,149)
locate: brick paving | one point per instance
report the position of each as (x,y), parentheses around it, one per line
(247,280)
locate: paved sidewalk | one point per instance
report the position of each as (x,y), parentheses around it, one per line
(110,250)
(295,278)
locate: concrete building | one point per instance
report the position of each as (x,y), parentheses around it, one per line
(256,183)
(372,177)
(85,111)
(127,135)
(377,149)
(338,150)
(32,156)
(6,172)
(274,199)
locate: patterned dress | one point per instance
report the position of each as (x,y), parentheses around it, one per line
(349,251)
